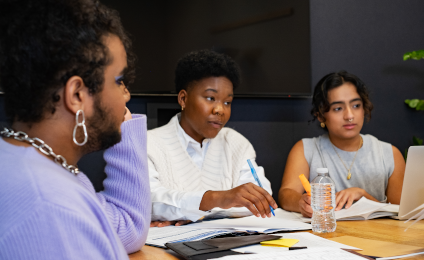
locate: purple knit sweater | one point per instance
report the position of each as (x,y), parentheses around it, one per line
(48,213)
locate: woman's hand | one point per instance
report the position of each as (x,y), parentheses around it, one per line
(305,205)
(348,196)
(168,223)
(248,195)
(127,115)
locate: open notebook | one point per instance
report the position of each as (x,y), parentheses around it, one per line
(363,209)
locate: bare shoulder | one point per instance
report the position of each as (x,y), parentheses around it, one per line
(398,157)
(396,151)
(297,149)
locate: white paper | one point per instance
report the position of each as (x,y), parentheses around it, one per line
(302,254)
(312,241)
(283,220)
(399,256)
(257,249)
(305,239)
(159,236)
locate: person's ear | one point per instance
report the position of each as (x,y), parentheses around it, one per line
(127,94)
(320,118)
(76,95)
(182,98)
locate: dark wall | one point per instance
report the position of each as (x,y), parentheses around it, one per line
(368,38)
(270,52)
(364,37)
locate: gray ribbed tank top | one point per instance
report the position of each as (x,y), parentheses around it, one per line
(371,170)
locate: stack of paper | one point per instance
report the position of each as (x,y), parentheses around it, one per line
(283,221)
(159,236)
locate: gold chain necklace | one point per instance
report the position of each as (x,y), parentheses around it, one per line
(348,170)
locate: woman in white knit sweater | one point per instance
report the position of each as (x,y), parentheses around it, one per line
(197,167)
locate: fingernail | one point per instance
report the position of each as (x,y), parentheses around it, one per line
(269,215)
(257,215)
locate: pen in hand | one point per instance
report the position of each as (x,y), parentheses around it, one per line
(255,176)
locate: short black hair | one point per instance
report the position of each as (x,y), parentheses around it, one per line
(45,42)
(320,104)
(201,64)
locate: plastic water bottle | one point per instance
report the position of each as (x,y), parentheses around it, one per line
(323,203)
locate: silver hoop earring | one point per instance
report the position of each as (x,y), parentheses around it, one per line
(81,124)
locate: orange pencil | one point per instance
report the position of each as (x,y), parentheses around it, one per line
(305,184)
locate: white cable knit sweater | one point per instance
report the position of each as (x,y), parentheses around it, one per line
(221,167)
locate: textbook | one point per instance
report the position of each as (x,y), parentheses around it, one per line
(363,209)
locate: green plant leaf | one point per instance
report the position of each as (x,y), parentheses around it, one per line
(407,101)
(415,55)
(413,103)
(417,141)
(420,105)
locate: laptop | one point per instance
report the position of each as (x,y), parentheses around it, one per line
(413,183)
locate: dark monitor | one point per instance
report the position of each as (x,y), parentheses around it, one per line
(269,39)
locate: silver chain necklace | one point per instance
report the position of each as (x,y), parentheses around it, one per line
(41,146)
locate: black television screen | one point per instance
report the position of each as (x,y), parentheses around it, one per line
(269,39)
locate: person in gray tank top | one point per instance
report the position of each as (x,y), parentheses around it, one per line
(360,165)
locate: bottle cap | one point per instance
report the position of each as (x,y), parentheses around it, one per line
(322,170)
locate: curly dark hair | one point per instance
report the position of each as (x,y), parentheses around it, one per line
(320,103)
(45,42)
(201,64)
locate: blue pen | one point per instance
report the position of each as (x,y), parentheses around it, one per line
(257,180)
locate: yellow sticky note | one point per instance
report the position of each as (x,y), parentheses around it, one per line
(283,242)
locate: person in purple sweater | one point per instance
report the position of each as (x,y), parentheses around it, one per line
(62,69)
